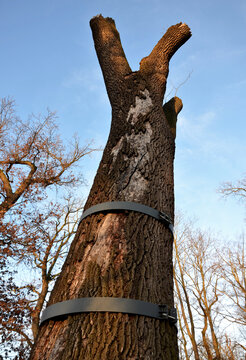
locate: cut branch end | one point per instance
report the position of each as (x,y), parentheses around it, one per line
(171,110)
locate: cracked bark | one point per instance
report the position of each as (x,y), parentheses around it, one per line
(124,254)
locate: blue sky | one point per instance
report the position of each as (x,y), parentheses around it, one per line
(48,60)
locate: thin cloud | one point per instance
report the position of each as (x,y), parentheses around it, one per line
(195,128)
(197,137)
(89,81)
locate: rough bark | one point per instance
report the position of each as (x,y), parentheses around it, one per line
(124,254)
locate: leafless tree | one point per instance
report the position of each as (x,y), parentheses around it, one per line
(208,280)
(127,255)
(33,157)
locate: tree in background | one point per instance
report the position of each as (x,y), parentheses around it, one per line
(237,189)
(233,272)
(210,294)
(46,234)
(196,281)
(233,269)
(33,158)
(210,290)
(34,231)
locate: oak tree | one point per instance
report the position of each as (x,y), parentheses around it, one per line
(124,254)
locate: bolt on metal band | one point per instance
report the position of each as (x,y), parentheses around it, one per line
(130,206)
(109,304)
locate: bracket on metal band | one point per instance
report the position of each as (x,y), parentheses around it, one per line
(109,304)
(128,205)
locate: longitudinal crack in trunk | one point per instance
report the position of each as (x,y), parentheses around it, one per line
(133,171)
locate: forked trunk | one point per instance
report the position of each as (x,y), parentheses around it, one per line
(124,254)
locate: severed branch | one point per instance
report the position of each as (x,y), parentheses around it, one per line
(166,47)
(156,65)
(110,53)
(171,110)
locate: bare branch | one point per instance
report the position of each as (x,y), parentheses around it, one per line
(237,189)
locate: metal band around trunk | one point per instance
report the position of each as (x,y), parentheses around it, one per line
(131,206)
(109,304)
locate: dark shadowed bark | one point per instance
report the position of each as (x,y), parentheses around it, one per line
(125,254)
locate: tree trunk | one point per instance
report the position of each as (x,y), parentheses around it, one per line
(124,254)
